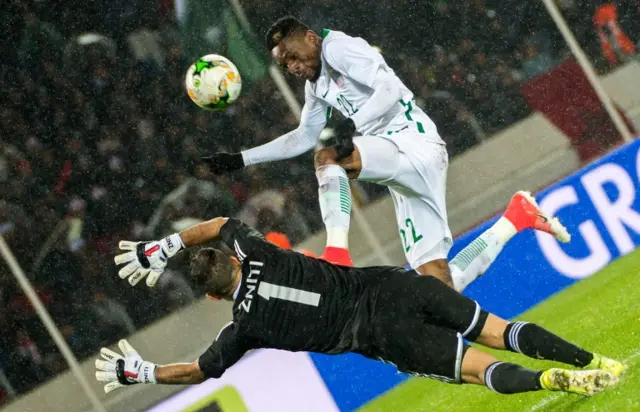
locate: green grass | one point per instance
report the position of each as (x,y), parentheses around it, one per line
(601,313)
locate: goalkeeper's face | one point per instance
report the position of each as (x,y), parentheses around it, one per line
(216,272)
(299,54)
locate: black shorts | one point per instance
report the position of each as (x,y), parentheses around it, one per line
(418,323)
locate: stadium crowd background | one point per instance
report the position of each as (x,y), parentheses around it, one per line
(99,142)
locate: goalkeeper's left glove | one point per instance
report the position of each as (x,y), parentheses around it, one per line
(344,138)
(123,370)
(147,258)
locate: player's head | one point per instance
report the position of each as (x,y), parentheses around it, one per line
(295,47)
(216,272)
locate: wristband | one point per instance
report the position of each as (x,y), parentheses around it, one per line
(172,244)
(147,373)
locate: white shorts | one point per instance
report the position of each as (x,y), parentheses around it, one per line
(415,170)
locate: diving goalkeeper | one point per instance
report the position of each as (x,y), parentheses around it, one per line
(285,300)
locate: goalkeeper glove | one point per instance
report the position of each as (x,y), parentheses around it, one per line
(146,258)
(344,139)
(125,370)
(224,162)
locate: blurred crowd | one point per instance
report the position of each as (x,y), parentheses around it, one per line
(99,142)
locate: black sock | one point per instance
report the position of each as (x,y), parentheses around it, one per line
(536,342)
(507,378)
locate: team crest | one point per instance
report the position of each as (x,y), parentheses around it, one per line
(337,77)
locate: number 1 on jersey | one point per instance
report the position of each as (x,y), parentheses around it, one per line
(269,290)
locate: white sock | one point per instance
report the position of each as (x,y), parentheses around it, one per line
(475,259)
(334,195)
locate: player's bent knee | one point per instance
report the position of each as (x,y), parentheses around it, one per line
(439,269)
(492,334)
(474,365)
(323,157)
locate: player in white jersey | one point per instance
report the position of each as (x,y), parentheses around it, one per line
(399,147)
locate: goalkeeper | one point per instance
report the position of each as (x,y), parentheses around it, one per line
(386,313)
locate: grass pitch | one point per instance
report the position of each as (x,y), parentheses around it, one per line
(601,314)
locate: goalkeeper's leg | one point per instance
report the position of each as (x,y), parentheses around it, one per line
(429,350)
(507,378)
(536,342)
(444,307)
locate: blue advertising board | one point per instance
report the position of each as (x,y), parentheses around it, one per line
(600,207)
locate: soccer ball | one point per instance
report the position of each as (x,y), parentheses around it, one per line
(213,82)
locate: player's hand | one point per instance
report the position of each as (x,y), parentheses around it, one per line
(146,259)
(224,162)
(344,138)
(123,370)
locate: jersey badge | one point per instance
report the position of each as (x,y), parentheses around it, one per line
(337,77)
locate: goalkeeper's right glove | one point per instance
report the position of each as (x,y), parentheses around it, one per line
(224,162)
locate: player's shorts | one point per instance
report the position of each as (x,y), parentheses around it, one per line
(414,167)
(419,324)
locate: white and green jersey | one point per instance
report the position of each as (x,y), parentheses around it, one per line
(347,82)
(352,71)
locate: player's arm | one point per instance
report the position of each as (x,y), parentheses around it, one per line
(301,140)
(203,232)
(360,62)
(180,374)
(228,348)
(130,369)
(235,233)
(149,259)
(225,351)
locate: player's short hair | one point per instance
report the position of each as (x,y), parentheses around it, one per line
(284,27)
(212,270)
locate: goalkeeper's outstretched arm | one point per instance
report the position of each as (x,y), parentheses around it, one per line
(128,368)
(202,232)
(149,259)
(180,374)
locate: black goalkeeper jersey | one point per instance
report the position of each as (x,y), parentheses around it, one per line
(292,302)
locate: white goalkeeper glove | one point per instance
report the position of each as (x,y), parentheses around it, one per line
(119,371)
(146,258)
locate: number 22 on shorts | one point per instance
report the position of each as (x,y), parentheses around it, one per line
(409,235)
